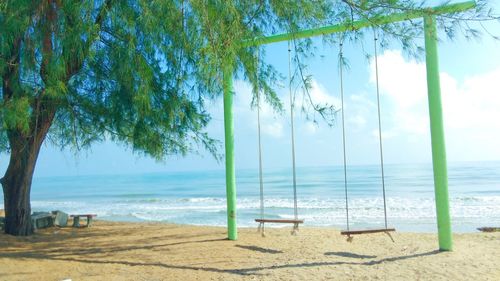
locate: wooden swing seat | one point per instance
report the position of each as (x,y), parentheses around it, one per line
(279,221)
(366,231)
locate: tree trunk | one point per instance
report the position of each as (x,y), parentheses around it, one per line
(16,184)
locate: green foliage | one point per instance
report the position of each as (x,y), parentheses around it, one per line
(140,72)
(16,113)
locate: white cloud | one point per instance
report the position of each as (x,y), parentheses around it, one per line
(271,123)
(319,96)
(358,110)
(471,107)
(404,84)
(386,134)
(358,120)
(475,103)
(273,129)
(311,128)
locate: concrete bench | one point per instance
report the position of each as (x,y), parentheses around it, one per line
(60,218)
(42,220)
(76,219)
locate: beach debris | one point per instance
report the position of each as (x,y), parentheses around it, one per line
(60,218)
(489,229)
(42,220)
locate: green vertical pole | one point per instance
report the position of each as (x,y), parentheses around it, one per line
(437,135)
(229,146)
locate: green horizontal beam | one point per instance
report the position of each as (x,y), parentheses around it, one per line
(355,25)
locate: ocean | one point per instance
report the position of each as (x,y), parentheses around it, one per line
(198,198)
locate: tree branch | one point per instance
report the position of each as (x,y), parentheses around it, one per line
(48,29)
(8,78)
(74,66)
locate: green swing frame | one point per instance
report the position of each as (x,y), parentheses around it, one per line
(434,99)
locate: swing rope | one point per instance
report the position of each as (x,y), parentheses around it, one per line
(261,180)
(341,61)
(379,124)
(292,100)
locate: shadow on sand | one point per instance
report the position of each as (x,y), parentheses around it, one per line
(259,249)
(105,253)
(349,255)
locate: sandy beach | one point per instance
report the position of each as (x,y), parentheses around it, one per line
(155,251)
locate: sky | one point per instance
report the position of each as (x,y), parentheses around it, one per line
(470,86)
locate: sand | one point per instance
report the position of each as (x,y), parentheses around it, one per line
(154,251)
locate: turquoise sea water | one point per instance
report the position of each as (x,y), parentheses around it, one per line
(199,197)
